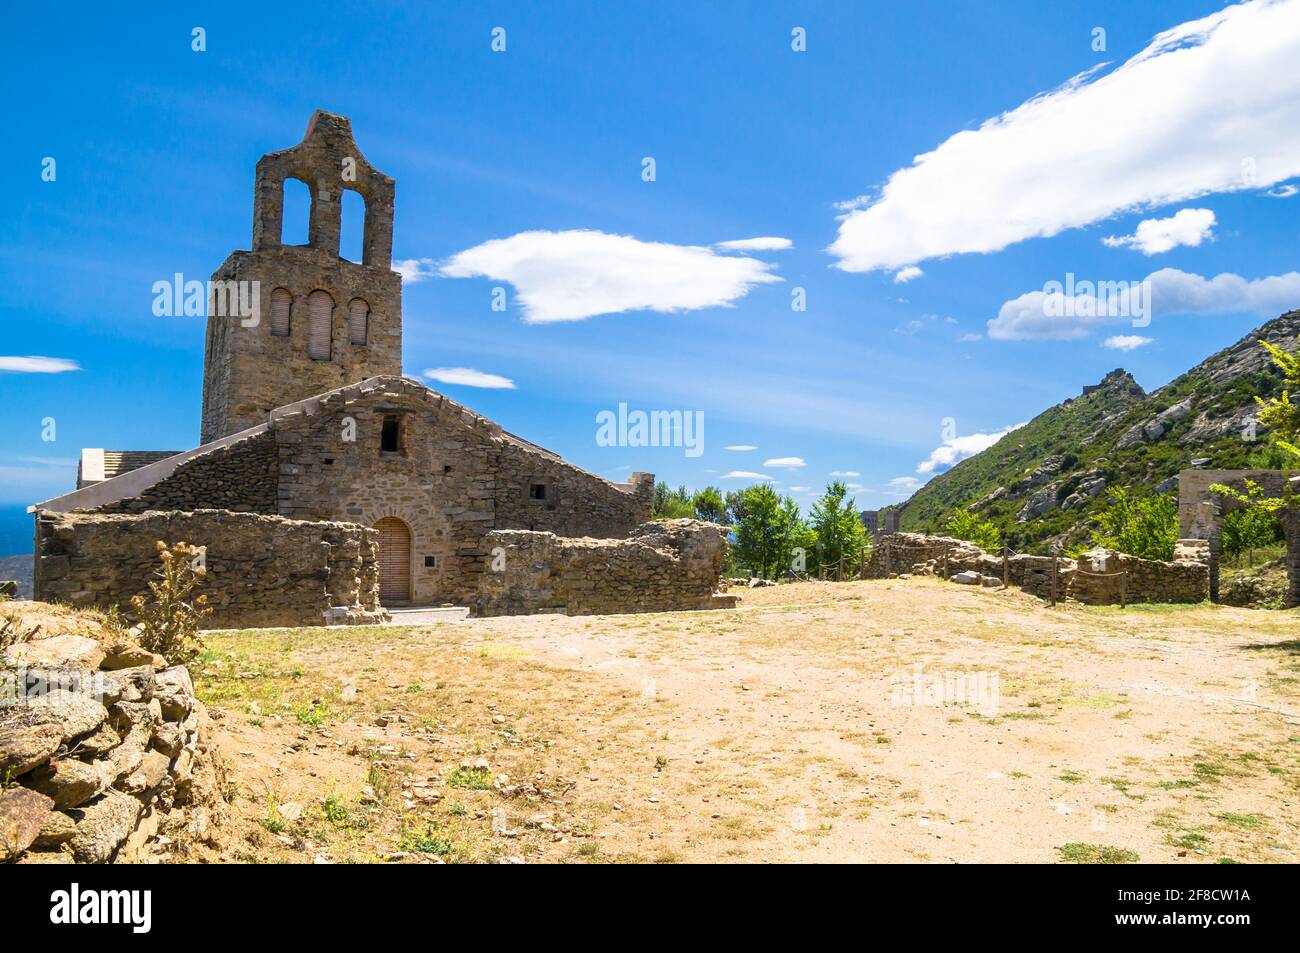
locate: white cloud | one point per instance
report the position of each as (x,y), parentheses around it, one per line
(800,489)
(747,475)
(1211,105)
(904,485)
(1125,342)
(904,275)
(740,447)
(959,448)
(468,377)
(845,473)
(415,270)
(1190,226)
(854,486)
(38,365)
(969,336)
(785,463)
(572,275)
(1033,315)
(1283,191)
(756,244)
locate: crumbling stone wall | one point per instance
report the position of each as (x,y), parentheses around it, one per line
(107,747)
(1089,579)
(661,566)
(241,477)
(261,570)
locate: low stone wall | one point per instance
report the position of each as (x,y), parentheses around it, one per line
(106,749)
(662,566)
(261,570)
(1093,578)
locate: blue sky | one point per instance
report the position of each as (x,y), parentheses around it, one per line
(155,146)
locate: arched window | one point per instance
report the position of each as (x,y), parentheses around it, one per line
(320,312)
(295,212)
(358,321)
(281,302)
(352,225)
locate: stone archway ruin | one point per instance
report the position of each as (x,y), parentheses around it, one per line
(1201,512)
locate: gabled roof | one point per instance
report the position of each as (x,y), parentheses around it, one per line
(135,481)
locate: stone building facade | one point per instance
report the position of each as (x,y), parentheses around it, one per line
(306,417)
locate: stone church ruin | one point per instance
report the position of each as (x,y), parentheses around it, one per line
(328,486)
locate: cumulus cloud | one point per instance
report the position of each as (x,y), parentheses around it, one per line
(904,275)
(1211,105)
(1060,315)
(747,475)
(572,275)
(1125,342)
(766,243)
(785,463)
(959,448)
(415,270)
(468,377)
(904,485)
(1190,226)
(38,365)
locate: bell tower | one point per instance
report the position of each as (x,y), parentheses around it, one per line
(319,321)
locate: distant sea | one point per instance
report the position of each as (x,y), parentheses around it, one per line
(15,529)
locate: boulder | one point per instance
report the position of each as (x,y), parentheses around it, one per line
(102,826)
(98,743)
(22,815)
(150,774)
(58,651)
(75,713)
(58,829)
(126,654)
(68,782)
(967,578)
(175,691)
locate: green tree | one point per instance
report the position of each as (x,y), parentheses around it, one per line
(767,532)
(1143,526)
(710,506)
(672,504)
(1248,529)
(963,524)
(838,532)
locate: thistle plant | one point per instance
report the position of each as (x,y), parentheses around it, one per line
(169,616)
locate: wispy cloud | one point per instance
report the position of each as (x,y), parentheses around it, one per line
(1211,105)
(958,448)
(740,447)
(415,270)
(572,275)
(785,463)
(1189,226)
(768,243)
(38,365)
(845,473)
(747,475)
(469,377)
(904,275)
(1125,342)
(1172,292)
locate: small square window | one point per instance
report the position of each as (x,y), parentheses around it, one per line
(537,491)
(430,562)
(329,461)
(390,434)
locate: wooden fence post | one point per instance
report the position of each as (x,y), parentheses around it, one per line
(1053,573)
(1123,588)
(1005,571)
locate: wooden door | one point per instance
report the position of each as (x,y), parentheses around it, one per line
(394,560)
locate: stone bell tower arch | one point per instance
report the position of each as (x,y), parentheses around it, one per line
(322,321)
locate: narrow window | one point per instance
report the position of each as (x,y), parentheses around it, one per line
(390,432)
(320,309)
(537,491)
(358,321)
(281,301)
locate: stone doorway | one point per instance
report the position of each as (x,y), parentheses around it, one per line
(394,560)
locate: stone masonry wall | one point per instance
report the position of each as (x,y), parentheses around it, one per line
(103,748)
(262,570)
(662,566)
(240,477)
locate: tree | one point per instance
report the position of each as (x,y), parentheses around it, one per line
(767,532)
(963,524)
(839,533)
(672,504)
(709,505)
(1248,529)
(1146,527)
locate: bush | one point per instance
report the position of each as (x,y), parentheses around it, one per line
(964,524)
(1146,527)
(170,616)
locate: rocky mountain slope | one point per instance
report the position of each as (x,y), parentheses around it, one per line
(1043,483)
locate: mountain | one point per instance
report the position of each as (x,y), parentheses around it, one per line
(1042,483)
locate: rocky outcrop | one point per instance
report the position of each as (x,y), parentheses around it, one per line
(99,762)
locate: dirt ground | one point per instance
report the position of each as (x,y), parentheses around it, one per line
(907,720)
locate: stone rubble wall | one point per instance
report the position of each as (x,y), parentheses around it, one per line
(106,752)
(241,477)
(1088,579)
(662,566)
(261,570)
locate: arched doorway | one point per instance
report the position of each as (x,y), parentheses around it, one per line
(394,560)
